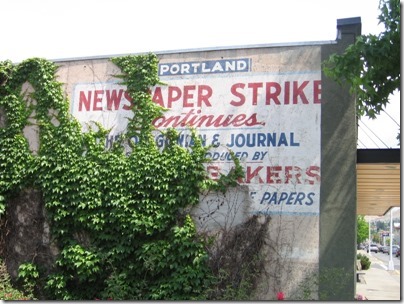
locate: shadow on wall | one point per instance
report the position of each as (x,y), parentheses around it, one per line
(338,187)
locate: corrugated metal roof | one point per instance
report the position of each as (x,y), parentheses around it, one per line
(378,181)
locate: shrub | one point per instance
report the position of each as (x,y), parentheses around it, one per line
(7,291)
(365,262)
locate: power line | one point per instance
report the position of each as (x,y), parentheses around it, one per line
(359,141)
(362,143)
(374,134)
(369,136)
(392,119)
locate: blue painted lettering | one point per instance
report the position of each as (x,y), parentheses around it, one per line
(292,198)
(253,140)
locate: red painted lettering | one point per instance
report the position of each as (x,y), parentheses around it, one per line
(204,93)
(241,97)
(174,94)
(281,175)
(128,98)
(114,99)
(293,173)
(250,175)
(298,91)
(313,174)
(188,94)
(85,100)
(286,95)
(98,100)
(157,97)
(274,172)
(253,121)
(317,91)
(213,172)
(255,86)
(272,95)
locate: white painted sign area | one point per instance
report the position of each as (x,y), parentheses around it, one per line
(270,120)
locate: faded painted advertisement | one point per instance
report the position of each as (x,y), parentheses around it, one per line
(264,108)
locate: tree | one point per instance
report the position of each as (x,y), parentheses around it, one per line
(362,231)
(376,238)
(381,225)
(371,66)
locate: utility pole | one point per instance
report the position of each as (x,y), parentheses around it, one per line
(391,263)
(370,252)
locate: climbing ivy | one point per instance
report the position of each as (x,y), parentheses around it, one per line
(118,218)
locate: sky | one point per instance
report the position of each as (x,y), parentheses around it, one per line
(56,29)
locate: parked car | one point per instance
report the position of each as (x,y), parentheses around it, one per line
(374,248)
(395,248)
(361,246)
(385,249)
(398,252)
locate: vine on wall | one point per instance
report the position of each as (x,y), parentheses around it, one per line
(118,219)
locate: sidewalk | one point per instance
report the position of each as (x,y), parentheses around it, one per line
(378,283)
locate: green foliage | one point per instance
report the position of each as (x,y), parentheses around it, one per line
(118,218)
(333,283)
(382,225)
(371,66)
(28,274)
(362,229)
(365,262)
(7,291)
(376,238)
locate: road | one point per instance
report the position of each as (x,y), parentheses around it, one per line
(385,258)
